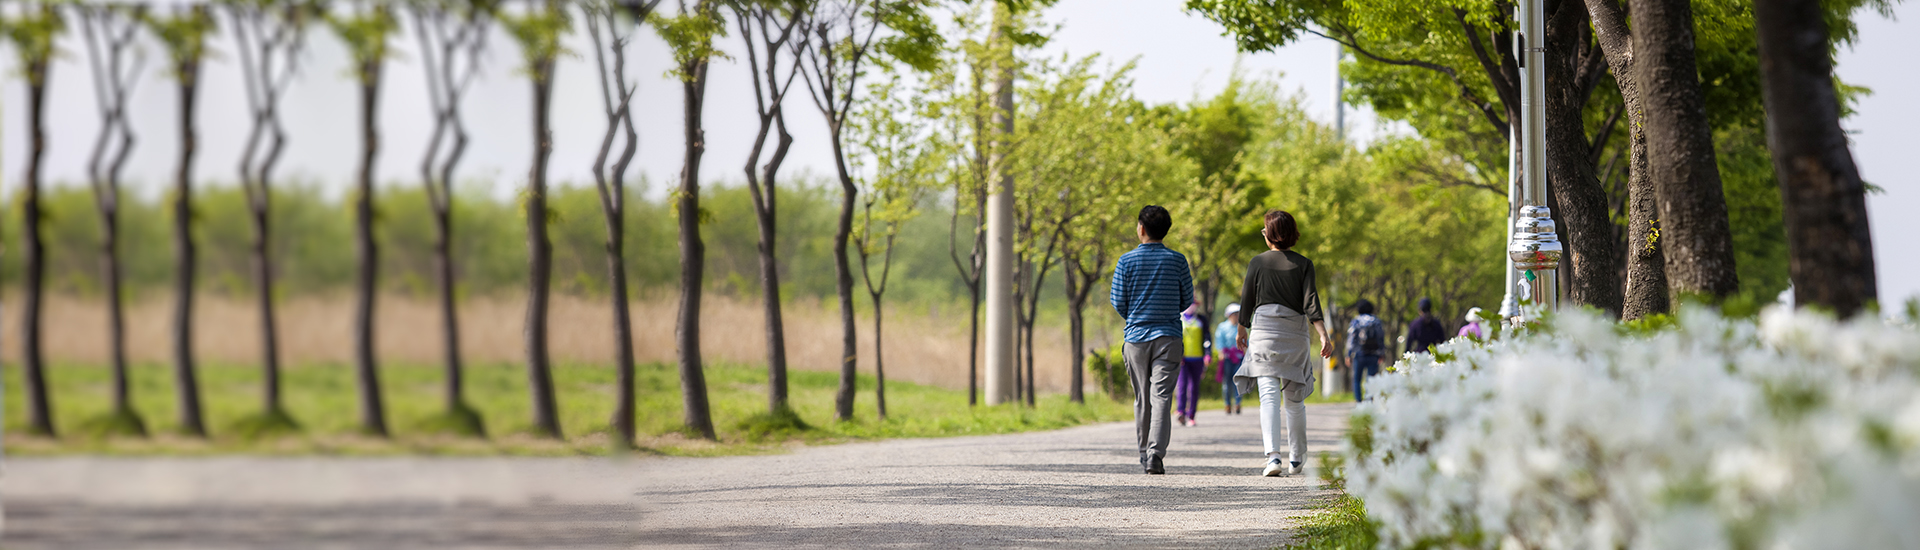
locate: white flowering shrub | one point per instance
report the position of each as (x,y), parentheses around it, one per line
(1792,431)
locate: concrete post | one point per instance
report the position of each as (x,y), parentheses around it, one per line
(1000,258)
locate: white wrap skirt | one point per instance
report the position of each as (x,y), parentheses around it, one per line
(1277,347)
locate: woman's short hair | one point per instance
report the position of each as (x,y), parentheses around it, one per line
(1280,229)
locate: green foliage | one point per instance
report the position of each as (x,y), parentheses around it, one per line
(115,423)
(539,32)
(779,425)
(184,35)
(33,32)
(367,33)
(916,40)
(460,421)
(691,35)
(1109,370)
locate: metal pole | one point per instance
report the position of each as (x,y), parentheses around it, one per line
(1533,99)
(1532,245)
(999,296)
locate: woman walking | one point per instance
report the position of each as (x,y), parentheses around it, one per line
(1281,292)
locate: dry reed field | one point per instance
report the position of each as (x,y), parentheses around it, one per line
(924,346)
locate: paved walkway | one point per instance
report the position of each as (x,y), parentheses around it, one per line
(1078,487)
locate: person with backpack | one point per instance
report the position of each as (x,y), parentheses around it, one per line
(1285,301)
(1366,344)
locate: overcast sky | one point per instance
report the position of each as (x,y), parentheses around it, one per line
(1181,57)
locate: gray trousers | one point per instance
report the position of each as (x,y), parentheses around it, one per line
(1152,365)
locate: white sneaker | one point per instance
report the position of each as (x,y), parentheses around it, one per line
(1274,467)
(1295,469)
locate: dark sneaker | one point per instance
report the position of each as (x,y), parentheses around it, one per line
(1155,467)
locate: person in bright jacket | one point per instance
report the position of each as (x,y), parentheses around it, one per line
(1193,340)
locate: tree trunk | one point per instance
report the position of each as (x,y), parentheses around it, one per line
(373,418)
(623,410)
(693,381)
(116,310)
(973,345)
(449,313)
(39,401)
(879,361)
(1696,240)
(1582,203)
(770,291)
(186,385)
(1830,243)
(1076,328)
(1646,278)
(843,284)
(546,414)
(263,283)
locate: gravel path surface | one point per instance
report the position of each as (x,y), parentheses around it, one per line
(1079,487)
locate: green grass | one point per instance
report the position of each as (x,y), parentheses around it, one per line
(1337,523)
(322,412)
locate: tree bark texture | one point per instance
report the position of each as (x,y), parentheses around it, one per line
(1582,204)
(768,211)
(1695,236)
(1646,291)
(693,381)
(373,418)
(1830,245)
(186,381)
(546,413)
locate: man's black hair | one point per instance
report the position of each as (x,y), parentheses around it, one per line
(1426,305)
(1156,220)
(1363,306)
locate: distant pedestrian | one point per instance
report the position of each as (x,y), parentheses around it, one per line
(1285,300)
(1151,284)
(1193,342)
(1366,344)
(1226,344)
(1475,327)
(1425,332)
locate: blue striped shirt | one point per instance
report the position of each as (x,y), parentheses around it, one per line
(1151,286)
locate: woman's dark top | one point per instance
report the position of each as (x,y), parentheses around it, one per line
(1280,277)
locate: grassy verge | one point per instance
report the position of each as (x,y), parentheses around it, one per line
(1337,523)
(321,399)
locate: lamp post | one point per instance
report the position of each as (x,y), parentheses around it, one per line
(1533,247)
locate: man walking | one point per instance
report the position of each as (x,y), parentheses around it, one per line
(1151,285)
(1426,332)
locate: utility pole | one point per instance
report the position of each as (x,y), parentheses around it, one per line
(1000,258)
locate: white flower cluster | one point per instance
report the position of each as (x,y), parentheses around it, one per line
(1791,432)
